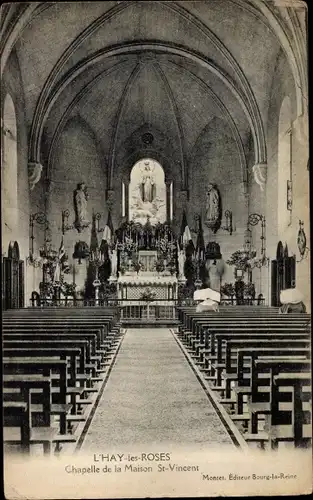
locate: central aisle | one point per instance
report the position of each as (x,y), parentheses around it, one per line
(153,397)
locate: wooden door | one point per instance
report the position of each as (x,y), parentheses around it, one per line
(13,279)
(283,273)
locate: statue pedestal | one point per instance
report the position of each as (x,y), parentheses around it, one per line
(96,284)
(198,284)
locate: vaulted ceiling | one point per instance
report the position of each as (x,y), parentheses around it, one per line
(167,66)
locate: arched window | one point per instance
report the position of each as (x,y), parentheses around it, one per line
(147,192)
(284,167)
(123,199)
(9,168)
(171,201)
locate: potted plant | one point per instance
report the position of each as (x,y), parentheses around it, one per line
(122,269)
(172,267)
(229,290)
(239,259)
(249,291)
(185,295)
(136,264)
(159,266)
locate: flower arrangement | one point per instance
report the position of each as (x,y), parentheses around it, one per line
(239,259)
(171,266)
(147,295)
(249,290)
(185,295)
(68,288)
(122,269)
(228,289)
(136,264)
(108,290)
(46,288)
(159,266)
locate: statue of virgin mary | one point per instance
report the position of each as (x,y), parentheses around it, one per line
(147,184)
(212,213)
(80,205)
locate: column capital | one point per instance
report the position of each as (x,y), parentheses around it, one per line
(34,173)
(260,174)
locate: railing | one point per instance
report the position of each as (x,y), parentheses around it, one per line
(130,309)
(113,302)
(227,302)
(246,301)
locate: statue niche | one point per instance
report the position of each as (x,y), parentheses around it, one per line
(213,209)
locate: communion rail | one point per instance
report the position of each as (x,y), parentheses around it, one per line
(112,302)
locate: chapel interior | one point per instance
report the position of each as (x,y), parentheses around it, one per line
(151,151)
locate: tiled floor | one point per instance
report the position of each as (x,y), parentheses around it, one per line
(153,398)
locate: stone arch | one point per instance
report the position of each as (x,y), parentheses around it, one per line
(156,155)
(246,99)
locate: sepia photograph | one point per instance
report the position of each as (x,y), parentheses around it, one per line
(156,325)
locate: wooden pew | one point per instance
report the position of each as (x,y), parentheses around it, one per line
(200,327)
(299,347)
(242,383)
(66,346)
(216,340)
(75,389)
(104,338)
(45,366)
(191,316)
(226,367)
(199,342)
(34,420)
(297,427)
(224,347)
(259,403)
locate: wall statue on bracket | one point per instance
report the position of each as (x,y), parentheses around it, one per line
(80,207)
(213,208)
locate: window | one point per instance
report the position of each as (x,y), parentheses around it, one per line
(284,167)
(171,201)
(123,200)
(9,167)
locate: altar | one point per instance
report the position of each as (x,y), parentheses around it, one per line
(150,292)
(146,275)
(147,296)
